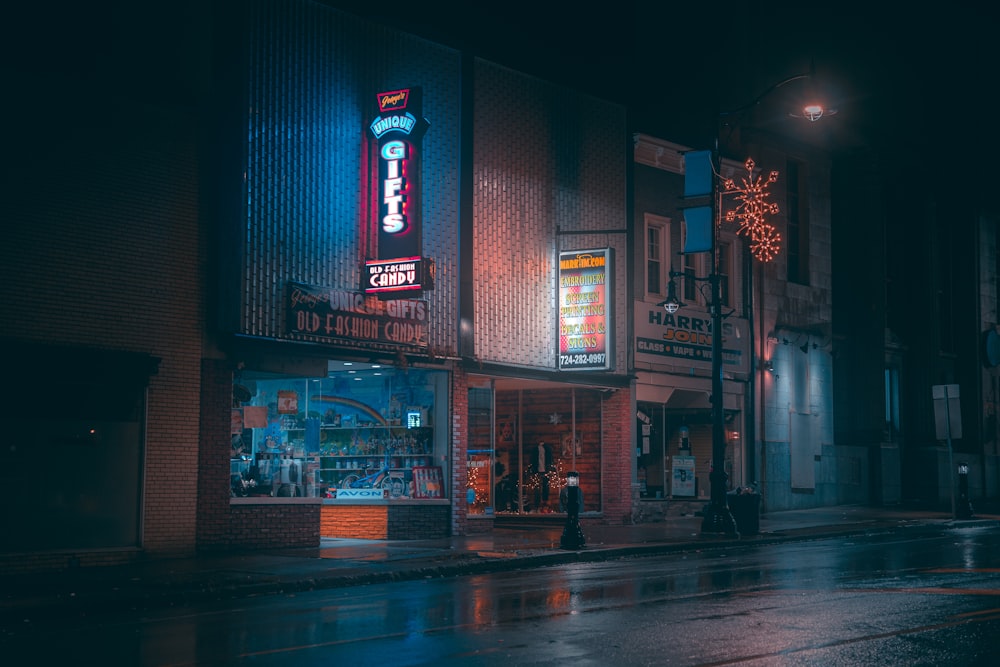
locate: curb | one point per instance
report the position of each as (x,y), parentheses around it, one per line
(161,592)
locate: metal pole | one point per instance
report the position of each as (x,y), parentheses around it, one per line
(718,518)
(750,405)
(951,456)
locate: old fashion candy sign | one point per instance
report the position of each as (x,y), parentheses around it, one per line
(351,318)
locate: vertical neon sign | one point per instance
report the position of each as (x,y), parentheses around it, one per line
(398,130)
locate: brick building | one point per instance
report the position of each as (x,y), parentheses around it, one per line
(214,338)
(502,185)
(777,338)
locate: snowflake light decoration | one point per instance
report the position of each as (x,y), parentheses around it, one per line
(765,243)
(751,212)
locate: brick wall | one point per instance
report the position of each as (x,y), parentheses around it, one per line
(213,453)
(418,522)
(550,164)
(355,521)
(617,457)
(385,522)
(66,560)
(262,526)
(459,411)
(103,249)
(222,525)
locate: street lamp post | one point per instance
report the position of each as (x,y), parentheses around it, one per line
(717,516)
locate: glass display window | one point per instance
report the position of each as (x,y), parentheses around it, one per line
(523,444)
(365,431)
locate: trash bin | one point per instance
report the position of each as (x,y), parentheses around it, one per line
(745,508)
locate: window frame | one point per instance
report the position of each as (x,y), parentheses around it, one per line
(661,225)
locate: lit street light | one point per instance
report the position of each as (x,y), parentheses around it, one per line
(763,239)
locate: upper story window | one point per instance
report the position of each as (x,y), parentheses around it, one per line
(690,269)
(725,270)
(797,216)
(693,270)
(657,249)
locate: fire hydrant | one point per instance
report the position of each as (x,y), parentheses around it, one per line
(570,501)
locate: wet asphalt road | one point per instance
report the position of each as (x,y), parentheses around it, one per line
(920,596)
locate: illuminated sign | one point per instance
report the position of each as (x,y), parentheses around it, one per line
(684,339)
(353,319)
(394,100)
(394,181)
(395,275)
(397,130)
(358,494)
(585,309)
(404,123)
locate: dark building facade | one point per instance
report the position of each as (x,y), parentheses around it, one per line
(104,262)
(916,309)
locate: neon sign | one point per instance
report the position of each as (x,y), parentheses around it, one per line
(404,123)
(397,130)
(395,275)
(393,156)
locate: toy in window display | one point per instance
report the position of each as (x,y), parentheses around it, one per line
(331,418)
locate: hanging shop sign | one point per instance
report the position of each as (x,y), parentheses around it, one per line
(349,318)
(586,309)
(397,130)
(686,336)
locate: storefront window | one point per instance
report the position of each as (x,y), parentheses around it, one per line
(541,435)
(365,431)
(481,468)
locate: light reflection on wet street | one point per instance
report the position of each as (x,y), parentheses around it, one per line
(921,596)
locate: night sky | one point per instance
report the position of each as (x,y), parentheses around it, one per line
(916,87)
(914,84)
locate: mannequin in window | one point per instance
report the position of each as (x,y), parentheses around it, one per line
(541,460)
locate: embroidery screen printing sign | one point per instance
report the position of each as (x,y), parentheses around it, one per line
(585,309)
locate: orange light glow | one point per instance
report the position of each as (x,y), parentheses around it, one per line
(754,206)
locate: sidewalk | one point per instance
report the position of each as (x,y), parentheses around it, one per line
(342,562)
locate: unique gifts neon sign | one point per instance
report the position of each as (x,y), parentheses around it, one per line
(398,130)
(393,157)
